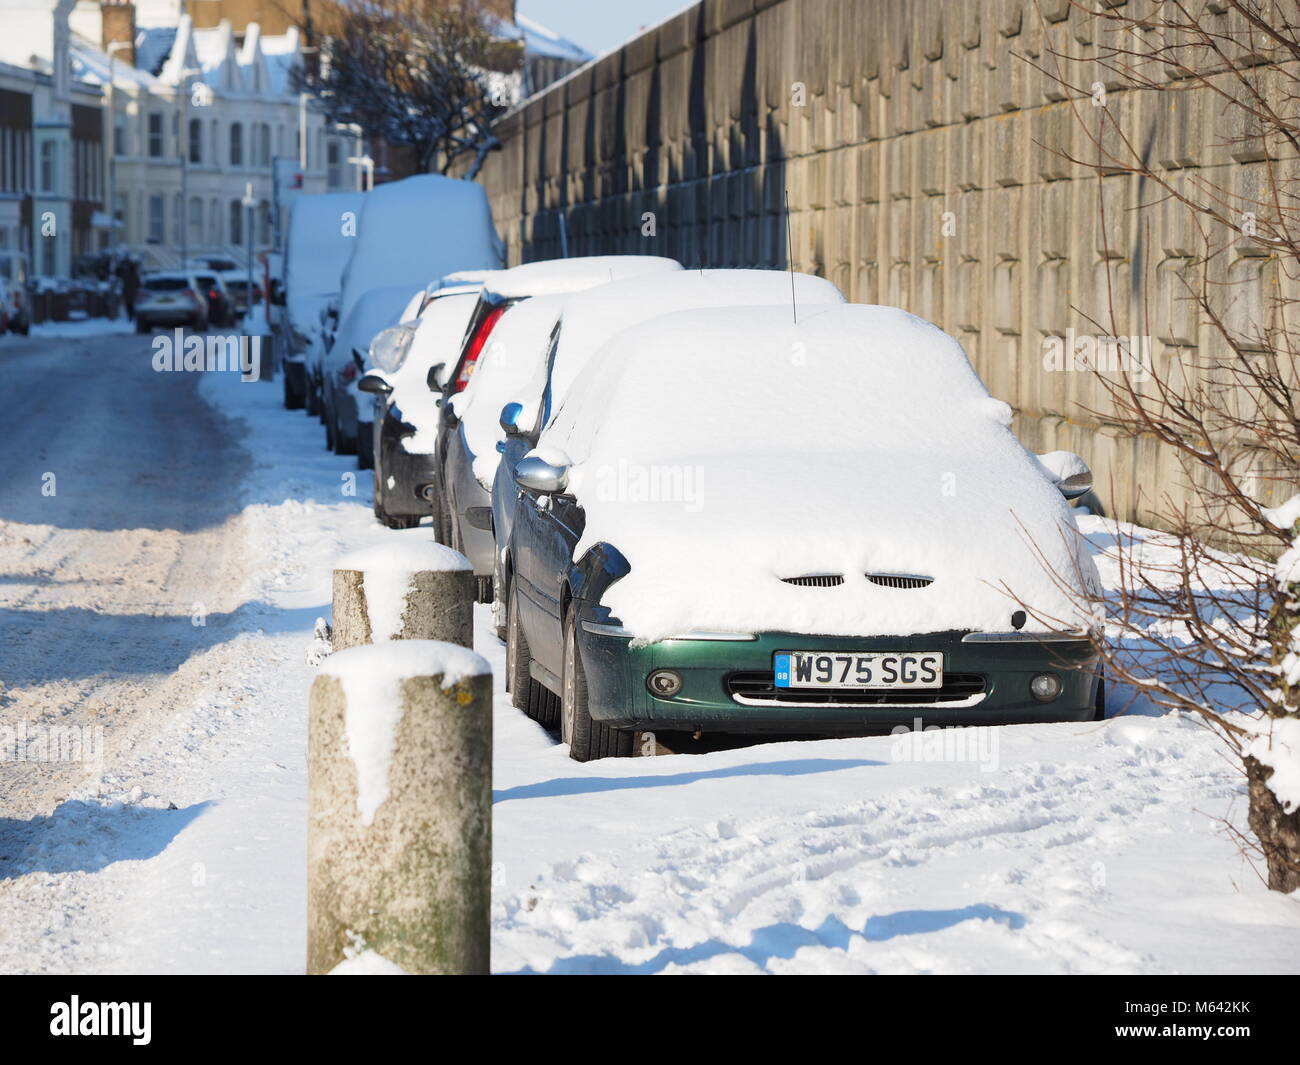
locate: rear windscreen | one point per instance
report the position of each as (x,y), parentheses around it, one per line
(165,284)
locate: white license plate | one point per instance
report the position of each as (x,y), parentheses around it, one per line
(858,669)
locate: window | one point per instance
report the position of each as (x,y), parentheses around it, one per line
(236,222)
(155,235)
(335,156)
(177,219)
(214,222)
(47,166)
(216,145)
(264,145)
(196,140)
(196,220)
(264,223)
(236,144)
(119,134)
(155,135)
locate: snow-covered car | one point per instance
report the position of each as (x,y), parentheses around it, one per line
(416,229)
(535,386)
(317,247)
(549,277)
(740,523)
(406,409)
(346,410)
(170,298)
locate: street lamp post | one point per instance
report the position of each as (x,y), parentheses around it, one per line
(249,201)
(110,165)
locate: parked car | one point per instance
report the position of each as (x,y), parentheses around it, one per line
(505,289)
(589,320)
(317,246)
(314,360)
(15,278)
(405,421)
(170,298)
(221,309)
(345,363)
(236,282)
(737,523)
(416,229)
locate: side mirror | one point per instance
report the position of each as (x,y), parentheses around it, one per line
(510,418)
(538,475)
(434,377)
(1068,472)
(375,384)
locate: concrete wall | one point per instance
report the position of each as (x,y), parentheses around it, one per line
(920,156)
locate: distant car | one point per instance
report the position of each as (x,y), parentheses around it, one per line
(170,298)
(739,523)
(236,282)
(406,410)
(505,289)
(345,363)
(221,309)
(317,247)
(15,280)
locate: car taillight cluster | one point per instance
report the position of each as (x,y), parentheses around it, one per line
(476,347)
(348,372)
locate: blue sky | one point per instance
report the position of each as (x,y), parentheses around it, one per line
(599,25)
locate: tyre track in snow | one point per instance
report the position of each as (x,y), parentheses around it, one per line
(118,521)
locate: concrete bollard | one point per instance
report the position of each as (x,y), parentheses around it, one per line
(399,840)
(408,589)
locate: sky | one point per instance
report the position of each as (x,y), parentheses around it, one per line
(599,25)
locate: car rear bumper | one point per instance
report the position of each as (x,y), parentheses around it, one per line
(723,684)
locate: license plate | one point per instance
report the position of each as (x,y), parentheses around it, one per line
(858,669)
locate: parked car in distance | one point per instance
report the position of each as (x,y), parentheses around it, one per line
(170,298)
(589,320)
(317,246)
(236,282)
(16,280)
(405,424)
(506,288)
(718,537)
(220,304)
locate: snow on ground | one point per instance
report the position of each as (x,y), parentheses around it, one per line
(83,327)
(1052,848)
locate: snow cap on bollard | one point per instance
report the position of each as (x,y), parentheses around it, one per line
(406,588)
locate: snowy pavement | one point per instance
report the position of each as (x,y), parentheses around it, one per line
(1052,848)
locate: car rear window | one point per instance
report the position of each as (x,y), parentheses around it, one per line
(206,280)
(165,284)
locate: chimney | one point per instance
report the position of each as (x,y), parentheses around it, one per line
(119,25)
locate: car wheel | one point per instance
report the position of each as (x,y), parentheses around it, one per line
(526,694)
(140,327)
(587,738)
(1099,705)
(395,521)
(293,399)
(498,605)
(329,430)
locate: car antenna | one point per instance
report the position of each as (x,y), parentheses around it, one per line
(789,258)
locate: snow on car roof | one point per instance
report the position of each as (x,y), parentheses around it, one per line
(723,450)
(318,249)
(418,228)
(592,317)
(551,276)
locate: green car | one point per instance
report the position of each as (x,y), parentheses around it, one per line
(865,545)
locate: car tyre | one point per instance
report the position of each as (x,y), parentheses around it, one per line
(140,327)
(526,694)
(1099,704)
(293,399)
(587,738)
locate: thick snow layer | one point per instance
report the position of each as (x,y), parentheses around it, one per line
(721,451)
(319,242)
(593,317)
(375,310)
(552,276)
(372,677)
(386,574)
(515,353)
(437,339)
(415,230)
(1278,745)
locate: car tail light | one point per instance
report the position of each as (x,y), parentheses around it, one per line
(475,348)
(213,294)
